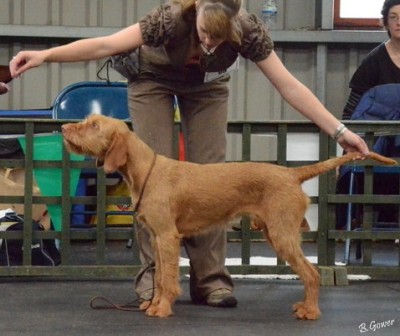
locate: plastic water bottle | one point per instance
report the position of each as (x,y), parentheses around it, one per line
(270,13)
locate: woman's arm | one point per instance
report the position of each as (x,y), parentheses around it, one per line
(81,50)
(304,101)
(297,94)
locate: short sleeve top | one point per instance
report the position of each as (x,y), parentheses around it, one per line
(376,69)
(167,37)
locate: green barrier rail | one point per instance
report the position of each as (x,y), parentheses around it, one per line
(327,239)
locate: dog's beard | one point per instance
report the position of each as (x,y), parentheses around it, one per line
(82,150)
(73,148)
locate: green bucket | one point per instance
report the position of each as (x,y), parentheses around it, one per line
(50,148)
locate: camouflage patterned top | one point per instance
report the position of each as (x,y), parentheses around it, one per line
(171,50)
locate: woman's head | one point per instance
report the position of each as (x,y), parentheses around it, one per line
(390,14)
(214,19)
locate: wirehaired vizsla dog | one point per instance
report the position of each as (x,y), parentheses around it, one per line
(177,199)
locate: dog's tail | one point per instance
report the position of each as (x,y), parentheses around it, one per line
(307,172)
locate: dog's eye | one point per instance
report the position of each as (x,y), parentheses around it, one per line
(94,125)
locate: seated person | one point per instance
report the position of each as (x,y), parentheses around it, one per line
(381,66)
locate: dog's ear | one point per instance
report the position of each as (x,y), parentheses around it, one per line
(116,155)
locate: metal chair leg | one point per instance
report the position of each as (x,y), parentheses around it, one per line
(348,221)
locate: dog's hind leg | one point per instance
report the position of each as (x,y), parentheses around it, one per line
(167,250)
(285,238)
(307,309)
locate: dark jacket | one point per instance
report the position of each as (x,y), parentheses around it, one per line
(382,102)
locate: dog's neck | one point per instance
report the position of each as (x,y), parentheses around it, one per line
(136,209)
(140,163)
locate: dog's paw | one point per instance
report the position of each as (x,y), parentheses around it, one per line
(306,312)
(159,310)
(144,305)
(151,302)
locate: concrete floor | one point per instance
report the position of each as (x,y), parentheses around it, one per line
(54,307)
(63,308)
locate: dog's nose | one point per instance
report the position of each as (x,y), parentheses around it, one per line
(64,128)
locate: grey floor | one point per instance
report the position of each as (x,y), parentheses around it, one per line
(63,308)
(40,307)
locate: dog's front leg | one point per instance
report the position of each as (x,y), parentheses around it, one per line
(157,280)
(167,250)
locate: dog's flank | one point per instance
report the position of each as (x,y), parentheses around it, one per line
(183,199)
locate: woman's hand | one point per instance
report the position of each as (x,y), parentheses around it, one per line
(24,61)
(352,142)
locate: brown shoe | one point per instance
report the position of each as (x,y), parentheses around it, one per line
(222,298)
(146,295)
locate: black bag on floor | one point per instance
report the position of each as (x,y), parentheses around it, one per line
(11,149)
(44,251)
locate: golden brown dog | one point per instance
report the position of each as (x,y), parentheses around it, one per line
(177,199)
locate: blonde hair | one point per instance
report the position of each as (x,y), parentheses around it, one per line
(218,17)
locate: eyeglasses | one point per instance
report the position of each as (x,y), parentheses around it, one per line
(394,18)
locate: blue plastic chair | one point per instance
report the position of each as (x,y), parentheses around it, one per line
(381,102)
(79,100)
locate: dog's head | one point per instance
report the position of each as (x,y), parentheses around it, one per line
(101,137)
